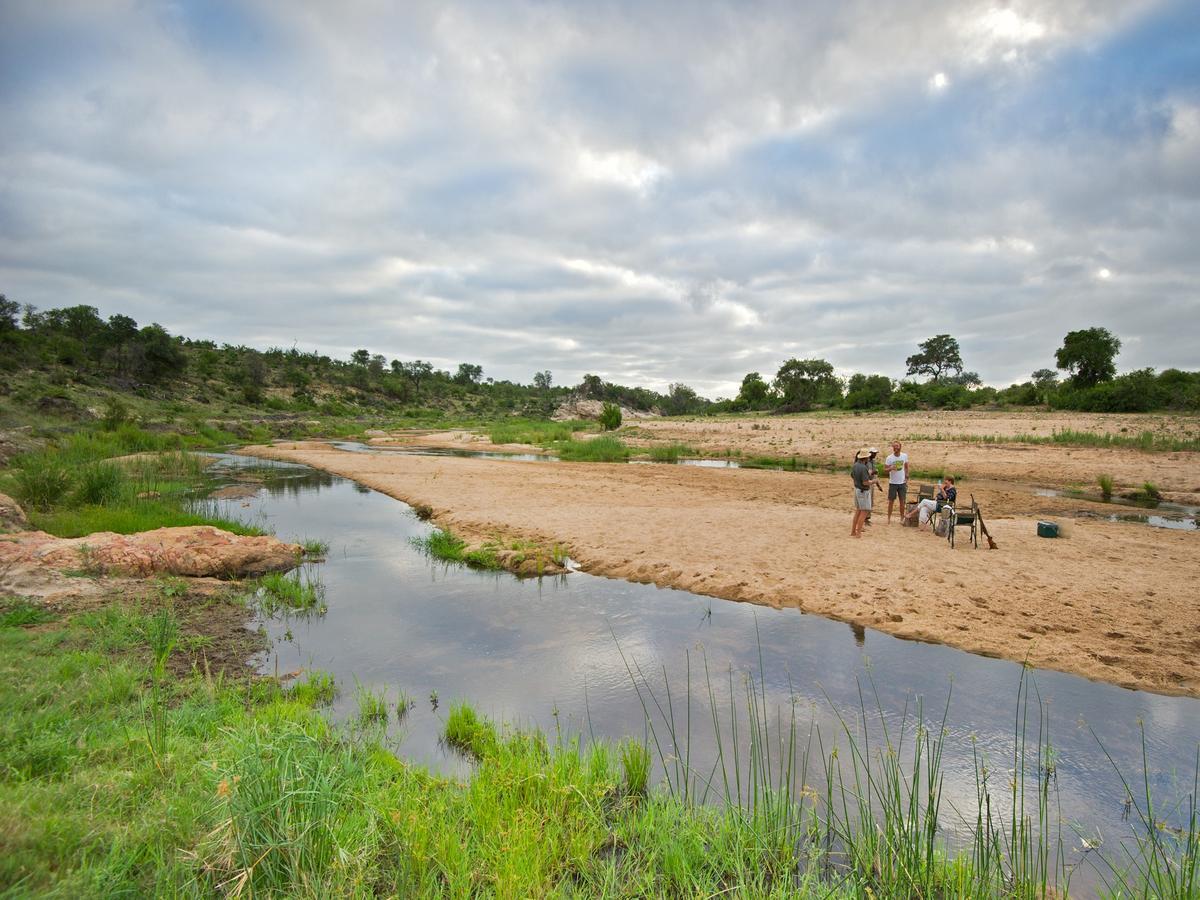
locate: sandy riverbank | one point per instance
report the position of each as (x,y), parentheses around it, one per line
(1113,601)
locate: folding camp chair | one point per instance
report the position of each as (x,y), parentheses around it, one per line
(924,492)
(965,518)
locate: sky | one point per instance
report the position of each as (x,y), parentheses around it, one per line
(651,192)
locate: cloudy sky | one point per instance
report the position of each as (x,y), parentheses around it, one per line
(649,191)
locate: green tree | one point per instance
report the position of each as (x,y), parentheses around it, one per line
(542,380)
(868,391)
(592,387)
(754,391)
(935,357)
(360,358)
(1089,356)
(9,309)
(156,356)
(417,371)
(468,374)
(804,382)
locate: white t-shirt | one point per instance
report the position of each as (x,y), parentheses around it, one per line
(897,475)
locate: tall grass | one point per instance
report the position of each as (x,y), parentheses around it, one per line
(43,485)
(671,453)
(162,634)
(261,796)
(1106,486)
(532,431)
(880,822)
(296,591)
(604,448)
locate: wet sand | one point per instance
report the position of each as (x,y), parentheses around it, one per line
(1112,601)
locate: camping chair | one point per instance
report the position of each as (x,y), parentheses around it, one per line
(924,492)
(965,518)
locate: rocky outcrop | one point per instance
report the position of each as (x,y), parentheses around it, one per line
(33,563)
(577,408)
(12,517)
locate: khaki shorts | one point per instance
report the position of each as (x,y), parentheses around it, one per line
(862,499)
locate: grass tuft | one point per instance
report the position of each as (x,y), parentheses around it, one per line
(604,448)
(1106,486)
(296,590)
(671,453)
(466,732)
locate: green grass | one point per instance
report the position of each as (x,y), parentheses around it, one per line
(671,453)
(536,432)
(604,448)
(145,515)
(258,794)
(314,547)
(74,488)
(18,613)
(295,591)
(441,544)
(1148,441)
(372,706)
(317,689)
(1106,486)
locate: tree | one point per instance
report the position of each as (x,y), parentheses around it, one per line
(680,399)
(935,357)
(8,314)
(592,387)
(803,382)
(868,391)
(1088,355)
(542,380)
(376,366)
(468,374)
(966,379)
(753,392)
(417,371)
(610,417)
(1045,378)
(156,355)
(360,357)
(122,331)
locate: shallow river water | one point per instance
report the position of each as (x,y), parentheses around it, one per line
(555,653)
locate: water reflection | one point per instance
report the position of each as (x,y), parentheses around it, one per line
(558,653)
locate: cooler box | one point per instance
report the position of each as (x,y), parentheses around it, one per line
(1047,529)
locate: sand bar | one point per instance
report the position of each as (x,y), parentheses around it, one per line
(1113,601)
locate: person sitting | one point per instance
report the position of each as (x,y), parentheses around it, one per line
(946,495)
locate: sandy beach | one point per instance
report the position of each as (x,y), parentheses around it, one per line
(1112,601)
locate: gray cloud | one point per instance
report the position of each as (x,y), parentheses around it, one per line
(624,189)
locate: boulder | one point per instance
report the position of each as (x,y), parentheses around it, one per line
(12,517)
(194,551)
(577,408)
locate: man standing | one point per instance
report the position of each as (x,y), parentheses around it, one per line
(863,478)
(897,467)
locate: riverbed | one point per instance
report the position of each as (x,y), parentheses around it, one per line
(563,654)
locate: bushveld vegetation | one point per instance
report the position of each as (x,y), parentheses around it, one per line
(216,785)
(67,363)
(86,482)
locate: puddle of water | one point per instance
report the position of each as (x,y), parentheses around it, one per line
(1184,518)
(548,653)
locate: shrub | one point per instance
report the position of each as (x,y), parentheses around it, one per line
(100,484)
(42,483)
(1106,486)
(610,417)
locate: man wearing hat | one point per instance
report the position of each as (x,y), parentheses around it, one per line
(874,467)
(863,479)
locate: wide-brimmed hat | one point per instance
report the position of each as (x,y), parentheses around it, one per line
(862,454)
(872,451)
